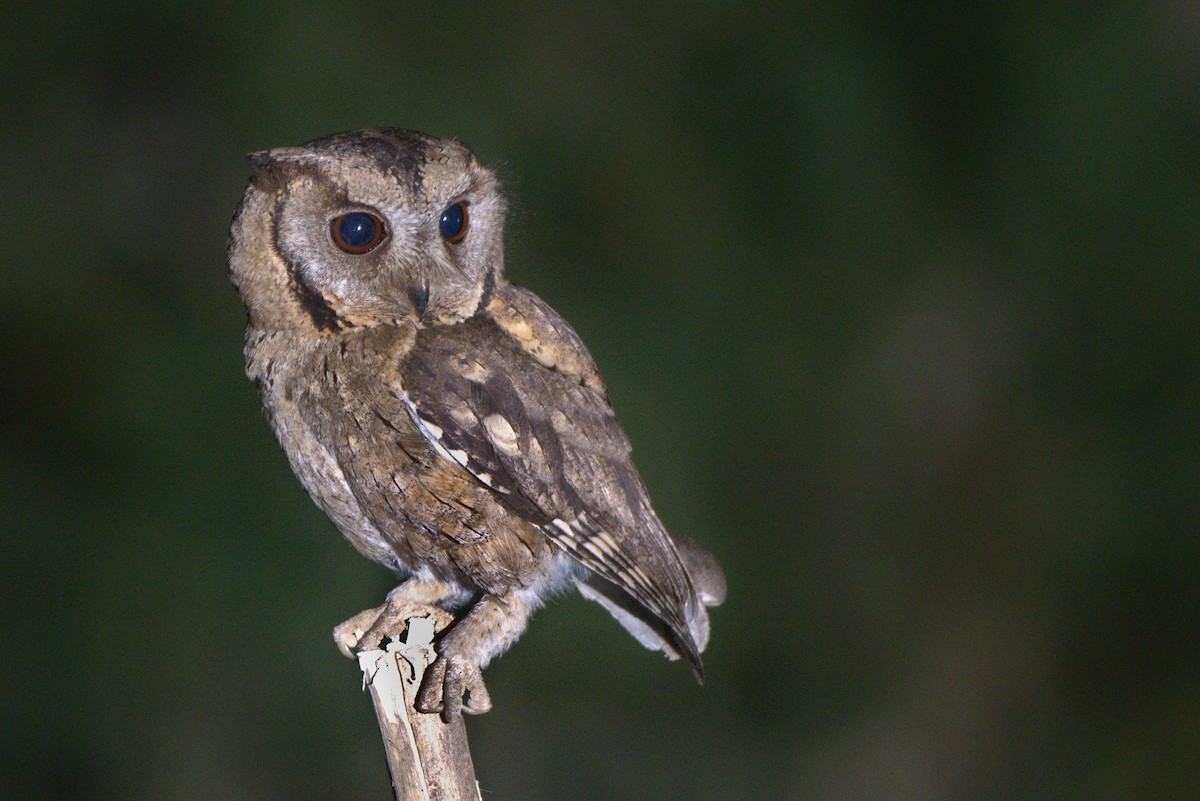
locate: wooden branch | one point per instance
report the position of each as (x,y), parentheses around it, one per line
(428,758)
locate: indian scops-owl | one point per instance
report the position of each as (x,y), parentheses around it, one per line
(451,424)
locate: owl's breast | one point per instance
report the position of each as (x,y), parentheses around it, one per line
(341,411)
(300,394)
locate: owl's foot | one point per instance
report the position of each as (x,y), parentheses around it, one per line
(371,627)
(453,685)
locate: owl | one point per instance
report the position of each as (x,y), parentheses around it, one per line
(451,425)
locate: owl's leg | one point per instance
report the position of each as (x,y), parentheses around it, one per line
(370,627)
(454,683)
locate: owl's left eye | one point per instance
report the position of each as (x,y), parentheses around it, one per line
(357,232)
(453,225)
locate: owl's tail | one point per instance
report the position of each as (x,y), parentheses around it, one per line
(708,582)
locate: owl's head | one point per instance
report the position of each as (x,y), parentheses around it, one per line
(368,227)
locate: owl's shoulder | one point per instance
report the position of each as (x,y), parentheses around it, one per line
(543,334)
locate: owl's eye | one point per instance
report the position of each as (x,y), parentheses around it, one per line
(357,232)
(453,225)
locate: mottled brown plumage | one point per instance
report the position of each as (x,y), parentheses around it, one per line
(451,424)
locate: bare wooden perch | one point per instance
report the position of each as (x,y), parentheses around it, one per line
(429,759)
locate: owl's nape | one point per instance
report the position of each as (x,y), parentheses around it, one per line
(451,425)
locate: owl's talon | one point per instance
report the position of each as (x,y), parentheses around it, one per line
(350,635)
(453,685)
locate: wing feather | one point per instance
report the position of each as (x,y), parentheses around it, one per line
(553,451)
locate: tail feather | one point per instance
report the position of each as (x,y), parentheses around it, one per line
(708,581)
(707,577)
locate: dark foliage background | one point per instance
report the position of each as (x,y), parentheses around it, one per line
(898,304)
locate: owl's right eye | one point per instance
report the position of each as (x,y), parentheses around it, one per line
(357,232)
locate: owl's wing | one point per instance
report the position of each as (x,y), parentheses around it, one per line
(547,443)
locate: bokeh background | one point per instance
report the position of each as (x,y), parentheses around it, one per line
(898,305)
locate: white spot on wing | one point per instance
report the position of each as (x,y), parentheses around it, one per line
(605,541)
(641,578)
(428,430)
(501,433)
(464,417)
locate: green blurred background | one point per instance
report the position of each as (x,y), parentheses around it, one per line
(898,305)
